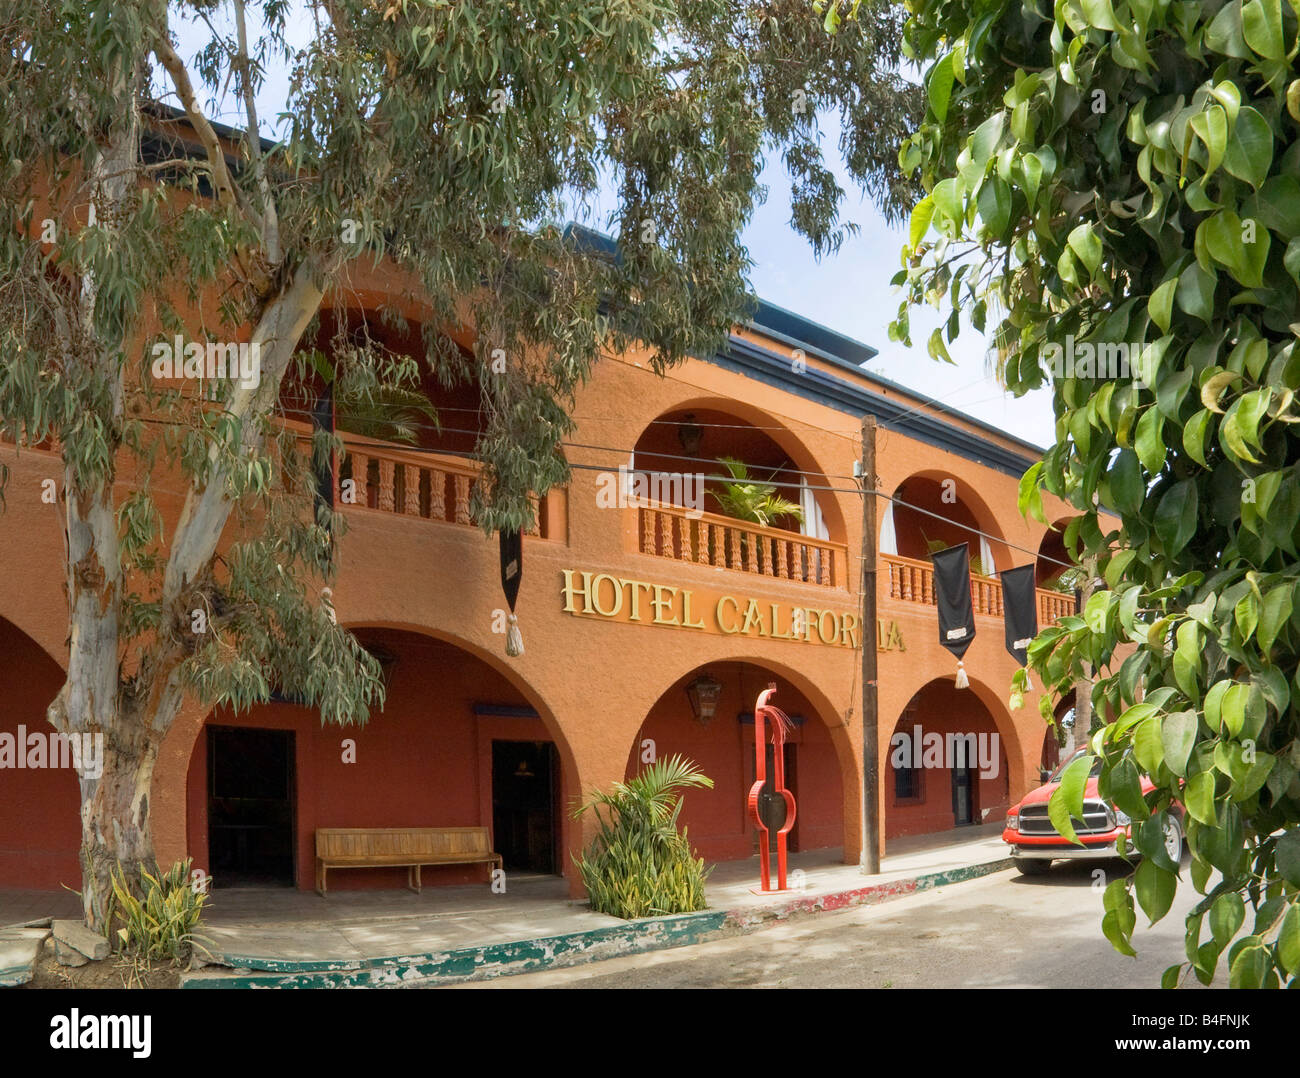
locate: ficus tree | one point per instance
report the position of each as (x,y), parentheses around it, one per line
(446,141)
(1113,192)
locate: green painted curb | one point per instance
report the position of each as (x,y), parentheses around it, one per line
(478,963)
(959,875)
(567,949)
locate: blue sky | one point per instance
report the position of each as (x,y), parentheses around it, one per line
(849,292)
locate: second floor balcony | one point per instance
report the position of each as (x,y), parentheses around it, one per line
(908,580)
(710,539)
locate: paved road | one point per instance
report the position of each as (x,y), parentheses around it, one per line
(1002,931)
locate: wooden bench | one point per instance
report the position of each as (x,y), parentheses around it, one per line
(400,847)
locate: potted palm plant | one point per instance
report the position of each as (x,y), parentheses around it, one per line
(639,864)
(756,501)
(747,498)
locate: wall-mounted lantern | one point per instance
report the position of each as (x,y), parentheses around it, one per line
(703,693)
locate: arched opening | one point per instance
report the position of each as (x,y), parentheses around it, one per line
(700,439)
(717,820)
(409,446)
(458,745)
(946,764)
(932,512)
(734,492)
(1055,568)
(40,799)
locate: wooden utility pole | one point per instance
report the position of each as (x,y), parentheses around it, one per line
(870,857)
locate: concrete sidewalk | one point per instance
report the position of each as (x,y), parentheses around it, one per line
(287,938)
(448,934)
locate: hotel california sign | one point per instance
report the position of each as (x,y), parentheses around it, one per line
(615,598)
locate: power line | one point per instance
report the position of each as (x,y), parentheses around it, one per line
(611,470)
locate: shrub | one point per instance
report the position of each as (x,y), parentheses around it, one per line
(162,924)
(639,865)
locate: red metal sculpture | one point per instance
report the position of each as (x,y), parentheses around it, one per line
(765,713)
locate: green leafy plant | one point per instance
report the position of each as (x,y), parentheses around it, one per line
(376,394)
(639,865)
(161,923)
(747,498)
(1067,580)
(1115,184)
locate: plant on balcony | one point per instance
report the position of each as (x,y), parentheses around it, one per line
(385,405)
(1067,580)
(752,500)
(747,498)
(639,864)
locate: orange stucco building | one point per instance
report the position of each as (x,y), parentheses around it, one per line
(628,611)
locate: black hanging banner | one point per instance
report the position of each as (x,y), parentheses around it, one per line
(512,568)
(322,417)
(1019,611)
(956,614)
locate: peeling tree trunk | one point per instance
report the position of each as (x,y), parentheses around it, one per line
(1083,686)
(115,827)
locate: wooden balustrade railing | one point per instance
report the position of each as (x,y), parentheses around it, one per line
(671,531)
(1054,605)
(912,581)
(410,483)
(413,483)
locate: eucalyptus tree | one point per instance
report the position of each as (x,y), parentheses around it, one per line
(1118,178)
(445,140)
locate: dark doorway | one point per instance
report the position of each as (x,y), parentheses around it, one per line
(964,790)
(525,783)
(250,806)
(771,805)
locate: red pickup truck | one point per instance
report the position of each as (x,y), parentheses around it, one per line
(1035,843)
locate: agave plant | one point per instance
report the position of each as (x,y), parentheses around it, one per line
(638,864)
(747,498)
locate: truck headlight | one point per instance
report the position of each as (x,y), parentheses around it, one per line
(1122,818)
(1013,823)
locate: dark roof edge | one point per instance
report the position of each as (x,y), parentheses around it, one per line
(965,417)
(766,318)
(816,385)
(822,341)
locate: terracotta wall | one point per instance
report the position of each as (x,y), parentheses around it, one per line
(941,709)
(718,823)
(594,684)
(424,762)
(40,830)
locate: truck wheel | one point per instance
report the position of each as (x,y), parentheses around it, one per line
(1032,866)
(1173,838)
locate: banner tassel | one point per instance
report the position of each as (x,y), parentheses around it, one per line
(514,639)
(962,681)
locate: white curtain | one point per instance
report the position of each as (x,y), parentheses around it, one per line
(986,556)
(814,524)
(888,540)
